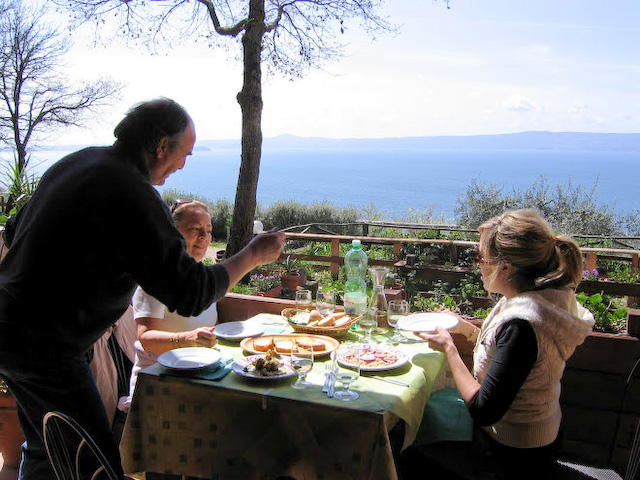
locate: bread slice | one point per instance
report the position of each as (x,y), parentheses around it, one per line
(284,346)
(308,342)
(262,344)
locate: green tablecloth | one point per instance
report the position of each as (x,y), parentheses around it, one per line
(169,412)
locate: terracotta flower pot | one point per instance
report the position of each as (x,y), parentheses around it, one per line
(11,437)
(290,282)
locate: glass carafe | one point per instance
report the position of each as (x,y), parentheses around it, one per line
(378,299)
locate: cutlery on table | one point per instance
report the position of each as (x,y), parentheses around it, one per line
(327,376)
(332,385)
(390,380)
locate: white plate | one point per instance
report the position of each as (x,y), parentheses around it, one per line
(238,330)
(369,352)
(427,322)
(240,365)
(189,358)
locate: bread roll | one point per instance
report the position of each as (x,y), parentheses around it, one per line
(341,322)
(301,318)
(327,321)
(314,315)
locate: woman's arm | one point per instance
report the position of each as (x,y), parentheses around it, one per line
(515,354)
(160,341)
(442,341)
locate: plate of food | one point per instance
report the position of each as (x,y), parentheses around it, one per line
(238,330)
(282,343)
(427,322)
(189,358)
(269,366)
(373,358)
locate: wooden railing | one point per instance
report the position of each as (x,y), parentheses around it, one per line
(430,272)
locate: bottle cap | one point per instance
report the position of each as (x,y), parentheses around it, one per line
(355,242)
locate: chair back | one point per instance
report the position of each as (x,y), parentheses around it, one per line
(73,454)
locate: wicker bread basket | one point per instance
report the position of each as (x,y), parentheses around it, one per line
(335,332)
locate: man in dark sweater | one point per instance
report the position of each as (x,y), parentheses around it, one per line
(93,230)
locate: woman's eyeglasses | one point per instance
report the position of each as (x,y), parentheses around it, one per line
(478,259)
(178,203)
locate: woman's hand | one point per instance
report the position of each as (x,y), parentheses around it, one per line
(199,337)
(464,327)
(440,341)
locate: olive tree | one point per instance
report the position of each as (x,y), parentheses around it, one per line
(288,36)
(569,209)
(36,97)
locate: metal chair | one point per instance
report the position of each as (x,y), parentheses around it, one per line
(73,454)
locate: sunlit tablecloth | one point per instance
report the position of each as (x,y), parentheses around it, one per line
(241,428)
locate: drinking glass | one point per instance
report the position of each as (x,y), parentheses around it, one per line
(396,310)
(326,301)
(346,375)
(368,322)
(303,300)
(301,362)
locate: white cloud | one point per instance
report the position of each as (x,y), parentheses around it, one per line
(519,103)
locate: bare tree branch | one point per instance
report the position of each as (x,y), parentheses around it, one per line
(36,99)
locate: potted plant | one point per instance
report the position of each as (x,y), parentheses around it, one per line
(290,277)
(11,437)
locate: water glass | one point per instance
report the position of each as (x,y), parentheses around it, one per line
(347,372)
(302,363)
(368,322)
(326,301)
(303,300)
(396,310)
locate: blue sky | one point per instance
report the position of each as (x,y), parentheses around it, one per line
(479,67)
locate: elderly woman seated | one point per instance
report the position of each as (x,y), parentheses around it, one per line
(160,330)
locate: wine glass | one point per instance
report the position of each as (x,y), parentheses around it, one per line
(325,301)
(346,375)
(301,362)
(303,300)
(368,322)
(397,309)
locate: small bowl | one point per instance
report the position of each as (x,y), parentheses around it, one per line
(335,332)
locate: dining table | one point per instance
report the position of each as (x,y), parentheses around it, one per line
(218,424)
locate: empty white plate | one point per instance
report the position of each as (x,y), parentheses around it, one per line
(189,358)
(238,330)
(427,322)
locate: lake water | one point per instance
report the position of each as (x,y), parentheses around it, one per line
(395,180)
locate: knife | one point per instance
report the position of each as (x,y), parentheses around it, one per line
(327,381)
(332,385)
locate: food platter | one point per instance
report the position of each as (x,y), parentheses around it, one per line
(374,358)
(189,358)
(427,322)
(238,330)
(244,368)
(252,344)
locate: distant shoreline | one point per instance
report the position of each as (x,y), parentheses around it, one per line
(576,141)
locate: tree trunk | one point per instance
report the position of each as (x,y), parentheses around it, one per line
(250,100)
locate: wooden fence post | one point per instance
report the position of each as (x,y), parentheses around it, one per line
(335,252)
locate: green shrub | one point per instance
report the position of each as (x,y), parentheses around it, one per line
(569,209)
(608,316)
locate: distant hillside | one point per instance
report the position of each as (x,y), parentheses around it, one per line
(509,141)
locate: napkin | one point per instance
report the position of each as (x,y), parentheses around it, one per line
(273,330)
(214,372)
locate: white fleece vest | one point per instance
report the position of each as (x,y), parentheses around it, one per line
(560,324)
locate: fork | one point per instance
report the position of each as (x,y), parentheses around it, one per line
(328,371)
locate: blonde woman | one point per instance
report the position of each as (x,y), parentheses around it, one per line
(523,345)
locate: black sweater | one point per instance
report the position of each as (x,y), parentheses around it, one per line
(516,352)
(94,228)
